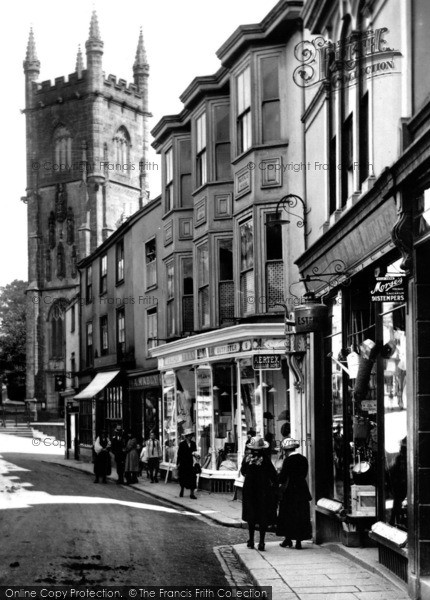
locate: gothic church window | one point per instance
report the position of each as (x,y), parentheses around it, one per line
(122,147)
(62,147)
(56,321)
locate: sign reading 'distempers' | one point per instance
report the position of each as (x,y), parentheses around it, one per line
(390,288)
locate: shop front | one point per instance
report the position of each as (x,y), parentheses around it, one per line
(361,372)
(221,385)
(144,393)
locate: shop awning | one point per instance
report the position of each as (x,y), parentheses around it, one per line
(100,381)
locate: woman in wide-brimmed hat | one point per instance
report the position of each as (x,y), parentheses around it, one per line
(187,477)
(294,520)
(260,479)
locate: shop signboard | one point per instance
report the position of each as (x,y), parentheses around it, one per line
(269,362)
(390,288)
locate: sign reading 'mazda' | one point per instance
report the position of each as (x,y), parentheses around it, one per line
(343,63)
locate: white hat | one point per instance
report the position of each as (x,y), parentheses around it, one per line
(289,444)
(257,443)
(189,431)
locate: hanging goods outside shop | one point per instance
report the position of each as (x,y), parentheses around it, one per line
(311,315)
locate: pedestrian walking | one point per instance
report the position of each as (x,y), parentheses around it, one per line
(259,490)
(154,455)
(187,477)
(119,443)
(102,462)
(131,459)
(294,519)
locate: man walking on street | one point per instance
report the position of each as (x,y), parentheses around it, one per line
(153,447)
(118,449)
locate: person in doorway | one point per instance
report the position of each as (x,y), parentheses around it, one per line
(259,486)
(294,520)
(102,462)
(118,449)
(187,478)
(131,459)
(154,455)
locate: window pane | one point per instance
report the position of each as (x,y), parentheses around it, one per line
(271,121)
(170,281)
(246,246)
(169,165)
(201,133)
(203,264)
(187,274)
(270,77)
(185,156)
(243,90)
(223,164)
(186,198)
(222,123)
(244,132)
(273,239)
(226,260)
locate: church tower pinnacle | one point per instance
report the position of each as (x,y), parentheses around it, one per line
(94,49)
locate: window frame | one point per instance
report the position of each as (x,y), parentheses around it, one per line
(243,111)
(203,286)
(248,268)
(119,261)
(120,331)
(201,160)
(103,274)
(168,180)
(220,142)
(104,335)
(170,299)
(89,347)
(270,100)
(148,283)
(151,343)
(89,284)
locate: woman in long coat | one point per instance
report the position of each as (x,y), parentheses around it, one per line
(294,519)
(132,466)
(185,461)
(259,490)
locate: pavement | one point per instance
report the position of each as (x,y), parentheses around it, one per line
(327,572)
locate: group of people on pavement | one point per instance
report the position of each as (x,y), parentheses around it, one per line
(129,456)
(263,488)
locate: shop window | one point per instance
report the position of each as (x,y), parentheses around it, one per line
(270,103)
(244,131)
(104,339)
(103,274)
(151,263)
(247,287)
(224,405)
(120,332)
(152,327)
(203,284)
(186,199)
(201,157)
(395,409)
(114,403)
(89,344)
(205,417)
(168,189)
(169,431)
(185,400)
(222,142)
(274,263)
(89,284)
(120,261)
(187,295)
(226,283)
(171,322)
(86,422)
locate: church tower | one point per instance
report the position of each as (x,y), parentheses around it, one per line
(87,140)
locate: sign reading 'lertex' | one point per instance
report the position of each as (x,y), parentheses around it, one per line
(390,288)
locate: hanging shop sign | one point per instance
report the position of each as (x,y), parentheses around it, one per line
(390,288)
(269,362)
(311,315)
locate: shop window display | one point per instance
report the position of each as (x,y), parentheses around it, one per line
(169,417)
(204,415)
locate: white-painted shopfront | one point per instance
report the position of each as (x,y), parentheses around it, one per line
(221,384)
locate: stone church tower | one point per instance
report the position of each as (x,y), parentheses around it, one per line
(87,142)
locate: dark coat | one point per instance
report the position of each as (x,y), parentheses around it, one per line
(184,461)
(294,520)
(259,490)
(102,462)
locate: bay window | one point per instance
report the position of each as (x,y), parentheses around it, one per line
(270,103)
(168,163)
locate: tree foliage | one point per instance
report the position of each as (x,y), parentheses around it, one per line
(13,325)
